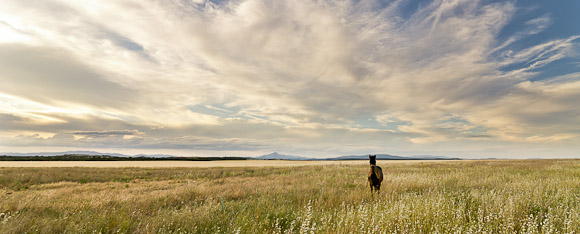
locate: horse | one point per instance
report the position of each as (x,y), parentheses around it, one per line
(375,174)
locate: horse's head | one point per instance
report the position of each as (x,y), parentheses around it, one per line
(373,159)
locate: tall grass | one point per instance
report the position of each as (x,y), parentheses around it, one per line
(525,196)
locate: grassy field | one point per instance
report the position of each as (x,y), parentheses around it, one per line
(524,196)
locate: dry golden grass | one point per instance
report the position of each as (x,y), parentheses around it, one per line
(523,196)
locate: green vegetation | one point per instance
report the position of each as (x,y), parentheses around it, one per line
(523,196)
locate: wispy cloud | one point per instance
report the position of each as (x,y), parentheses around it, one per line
(261,75)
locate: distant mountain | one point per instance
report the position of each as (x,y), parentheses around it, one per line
(432,157)
(276,155)
(366,157)
(156,155)
(393,157)
(65,153)
(271,156)
(89,153)
(84,157)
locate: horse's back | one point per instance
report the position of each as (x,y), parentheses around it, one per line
(379,173)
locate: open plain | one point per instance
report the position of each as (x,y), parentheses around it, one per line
(503,196)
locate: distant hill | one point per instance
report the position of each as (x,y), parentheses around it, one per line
(65,153)
(278,156)
(366,157)
(97,156)
(433,157)
(88,153)
(82,157)
(156,155)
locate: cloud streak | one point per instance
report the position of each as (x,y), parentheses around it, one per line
(255,74)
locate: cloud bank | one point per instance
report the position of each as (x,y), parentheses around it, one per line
(315,78)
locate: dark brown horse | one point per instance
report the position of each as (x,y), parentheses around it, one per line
(375,174)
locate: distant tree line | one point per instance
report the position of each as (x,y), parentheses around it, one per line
(79,157)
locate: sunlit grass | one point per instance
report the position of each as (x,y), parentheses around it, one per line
(527,196)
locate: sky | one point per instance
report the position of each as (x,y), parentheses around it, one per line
(316,78)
